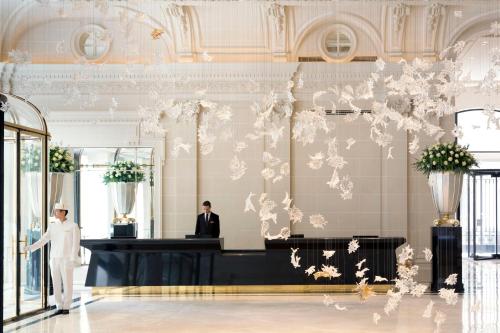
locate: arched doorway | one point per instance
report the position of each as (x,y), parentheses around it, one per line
(24,209)
(480,202)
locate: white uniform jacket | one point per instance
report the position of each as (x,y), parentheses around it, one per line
(64,240)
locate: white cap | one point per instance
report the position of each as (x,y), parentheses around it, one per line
(60,206)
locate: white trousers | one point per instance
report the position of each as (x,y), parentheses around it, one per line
(61,270)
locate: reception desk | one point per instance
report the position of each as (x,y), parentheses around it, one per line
(203,262)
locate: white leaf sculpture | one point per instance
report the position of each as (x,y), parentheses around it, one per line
(448,295)
(359,264)
(287,201)
(248,203)
(350,142)
(295,215)
(353,246)
(311,270)
(283,234)
(317,221)
(327,271)
(361,273)
(451,280)
(328,254)
(285,169)
(294,258)
(334,181)
(237,168)
(267,173)
(379,279)
(427,254)
(316,161)
(270,160)
(178,145)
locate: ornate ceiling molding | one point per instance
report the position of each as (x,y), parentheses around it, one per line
(180,23)
(435,13)
(285,27)
(398,16)
(278,21)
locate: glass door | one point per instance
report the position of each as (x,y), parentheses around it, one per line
(23,287)
(9,225)
(480,208)
(31,223)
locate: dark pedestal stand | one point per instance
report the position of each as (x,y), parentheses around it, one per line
(447,257)
(125,230)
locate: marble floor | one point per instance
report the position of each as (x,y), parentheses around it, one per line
(478,310)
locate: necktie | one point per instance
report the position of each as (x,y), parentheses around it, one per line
(206,218)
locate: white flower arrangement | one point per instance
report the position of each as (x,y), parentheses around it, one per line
(445,157)
(61,160)
(124,171)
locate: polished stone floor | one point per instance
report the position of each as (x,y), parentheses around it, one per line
(478,310)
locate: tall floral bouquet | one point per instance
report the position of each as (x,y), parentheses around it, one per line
(444,157)
(124,171)
(61,160)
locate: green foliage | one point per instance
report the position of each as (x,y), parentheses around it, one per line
(124,171)
(61,160)
(31,157)
(445,157)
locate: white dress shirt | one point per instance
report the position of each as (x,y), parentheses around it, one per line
(64,240)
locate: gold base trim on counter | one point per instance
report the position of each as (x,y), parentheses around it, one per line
(247,289)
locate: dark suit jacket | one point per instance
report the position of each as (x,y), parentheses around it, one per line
(210,229)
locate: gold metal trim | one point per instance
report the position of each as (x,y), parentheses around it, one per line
(244,289)
(26,129)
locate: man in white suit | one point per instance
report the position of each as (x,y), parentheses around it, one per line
(64,237)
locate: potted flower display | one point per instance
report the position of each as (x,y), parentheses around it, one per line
(123,178)
(60,163)
(445,166)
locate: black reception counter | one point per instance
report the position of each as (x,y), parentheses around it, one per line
(202,262)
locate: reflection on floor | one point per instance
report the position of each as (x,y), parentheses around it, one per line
(478,310)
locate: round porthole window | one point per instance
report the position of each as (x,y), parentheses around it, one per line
(338,43)
(92,42)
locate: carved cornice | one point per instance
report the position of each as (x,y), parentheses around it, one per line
(224,81)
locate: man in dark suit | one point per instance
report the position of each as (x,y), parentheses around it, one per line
(207,224)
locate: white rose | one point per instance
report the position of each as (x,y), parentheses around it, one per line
(445,162)
(450,159)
